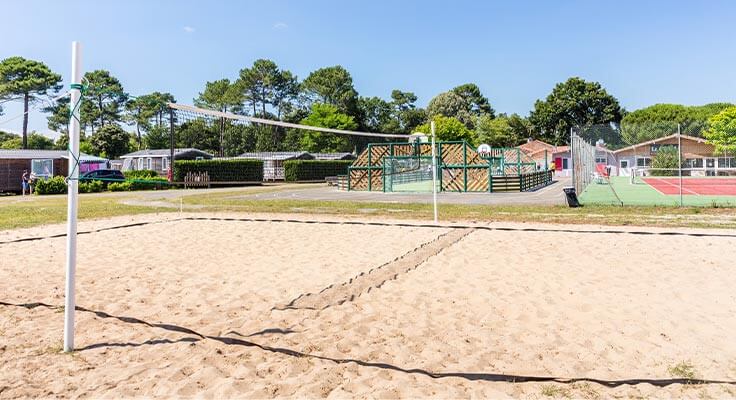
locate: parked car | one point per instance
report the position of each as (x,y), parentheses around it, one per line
(105,175)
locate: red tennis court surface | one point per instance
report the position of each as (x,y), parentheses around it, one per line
(725,186)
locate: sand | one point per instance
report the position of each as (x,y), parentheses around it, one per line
(262,309)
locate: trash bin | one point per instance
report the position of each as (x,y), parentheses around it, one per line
(570,196)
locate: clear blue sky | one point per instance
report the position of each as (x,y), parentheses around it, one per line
(643,52)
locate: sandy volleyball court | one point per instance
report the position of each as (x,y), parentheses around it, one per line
(222,309)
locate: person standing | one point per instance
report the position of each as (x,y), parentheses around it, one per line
(25,182)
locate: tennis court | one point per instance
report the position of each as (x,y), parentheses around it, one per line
(716,185)
(662,191)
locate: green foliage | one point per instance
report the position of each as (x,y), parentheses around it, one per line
(86,148)
(120,186)
(103,101)
(28,81)
(198,134)
(39,142)
(91,186)
(449,129)
(157,137)
(326,116)
(265,84)
(721,131)
(311,170)
(334,86)
(496,132)
(12,143)
(220,95)
(239,170)
(147,112)
(111,140)
(36,141)
(141,174)
(476,104)
(147,183)
(667,157)
(465,103)
(662,119)
(574,103)
(53,185)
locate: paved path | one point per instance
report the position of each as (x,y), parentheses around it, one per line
(550,195)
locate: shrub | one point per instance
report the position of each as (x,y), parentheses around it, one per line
(312,170)
(119,186)
(140,174)
(666,158)
(155,183)
(53,185)
(238,170)
(91,186)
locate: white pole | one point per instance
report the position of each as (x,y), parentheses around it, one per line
(679,158)
(434,175)
(72,198)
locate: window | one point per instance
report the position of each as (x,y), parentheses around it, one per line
(726,162)
(694,163)
(165,164)
(643,161)
(710,162)
(624,163)
(140,163)
(43,168)
(564,163)
(148,163)
(600,160)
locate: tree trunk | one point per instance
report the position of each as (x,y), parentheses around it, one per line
(25,120)
(102,112)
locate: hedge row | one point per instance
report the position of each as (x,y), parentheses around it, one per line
(57,185)
(240,170)
(312,170)
(141,174)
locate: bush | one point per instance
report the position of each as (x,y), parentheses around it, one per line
(667,159)
(119,186)
(140,174)
(312,170)
(53,185)
(238,170)
(91,186)
(156,183)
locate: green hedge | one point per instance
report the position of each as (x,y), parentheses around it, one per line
(312,170)
(53,185)
(140,174)
(91,186)
(240,170)
(154,183)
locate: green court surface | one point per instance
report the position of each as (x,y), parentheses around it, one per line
(419,186)
(619,190)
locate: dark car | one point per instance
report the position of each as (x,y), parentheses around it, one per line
(105,175)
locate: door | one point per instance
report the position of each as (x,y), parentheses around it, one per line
(558,163)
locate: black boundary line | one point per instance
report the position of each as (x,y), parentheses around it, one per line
(470,376)
(374,223)
(456,226)
(108,228)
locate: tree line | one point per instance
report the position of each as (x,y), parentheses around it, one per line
(326,98)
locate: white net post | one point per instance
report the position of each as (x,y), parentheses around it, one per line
(72,190)
(434,175)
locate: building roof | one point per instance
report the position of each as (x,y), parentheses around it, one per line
(537,147)
(165,152)
(333,156)
(663,138)
(18,154)
(534,146)
(278,155)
